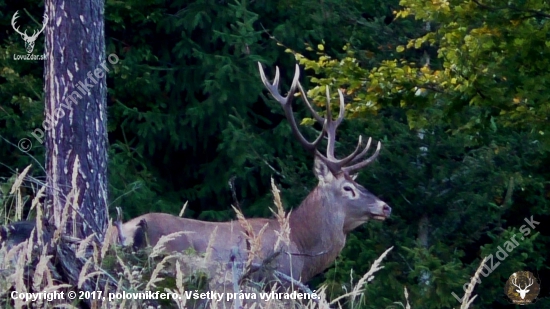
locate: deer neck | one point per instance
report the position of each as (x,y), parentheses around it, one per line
(317,230)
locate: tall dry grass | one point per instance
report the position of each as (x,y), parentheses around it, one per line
(27,266)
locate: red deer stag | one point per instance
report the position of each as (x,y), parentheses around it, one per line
(318,227)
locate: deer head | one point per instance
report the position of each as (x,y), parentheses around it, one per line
(336,176)
(524,291)
(29,40)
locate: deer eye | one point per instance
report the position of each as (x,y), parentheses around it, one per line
(349,189)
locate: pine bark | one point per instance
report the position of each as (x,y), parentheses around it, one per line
(76,138)
(75,116)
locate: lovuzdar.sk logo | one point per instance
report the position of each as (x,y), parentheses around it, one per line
(28,39)
(522,288)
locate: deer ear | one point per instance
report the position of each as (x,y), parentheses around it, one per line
(322,171)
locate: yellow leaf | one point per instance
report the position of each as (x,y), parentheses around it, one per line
(516,100)
(425,70)
(307,122)
(400,48)
(320,47)
(453,80)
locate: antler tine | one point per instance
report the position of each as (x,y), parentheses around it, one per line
(352,156)
(273,88)
(309,106)
(329,112)
(286,103)
(352,168)
(342,106)
(363,153)
(332,125)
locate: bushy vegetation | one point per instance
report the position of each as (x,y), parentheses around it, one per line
(131,276)
(456,91)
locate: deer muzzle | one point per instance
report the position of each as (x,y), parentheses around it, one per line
(384,212)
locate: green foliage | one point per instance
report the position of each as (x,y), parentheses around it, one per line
(457,95)
(494,58)
(461,162)
(21,93)
(462,190)
(198,119)
(185,101)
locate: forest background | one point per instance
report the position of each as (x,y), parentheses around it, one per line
(457,91)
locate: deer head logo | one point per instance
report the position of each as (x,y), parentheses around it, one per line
(522,287)
(524,291)
(29,40)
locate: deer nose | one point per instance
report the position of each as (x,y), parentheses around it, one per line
(387,210)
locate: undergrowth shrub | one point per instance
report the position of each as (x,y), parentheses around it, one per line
(27,266)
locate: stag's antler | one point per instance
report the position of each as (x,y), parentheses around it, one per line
(286,103)
(329,126)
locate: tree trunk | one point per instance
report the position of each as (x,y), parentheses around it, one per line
(75,117)
(424,241)
(76,121)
